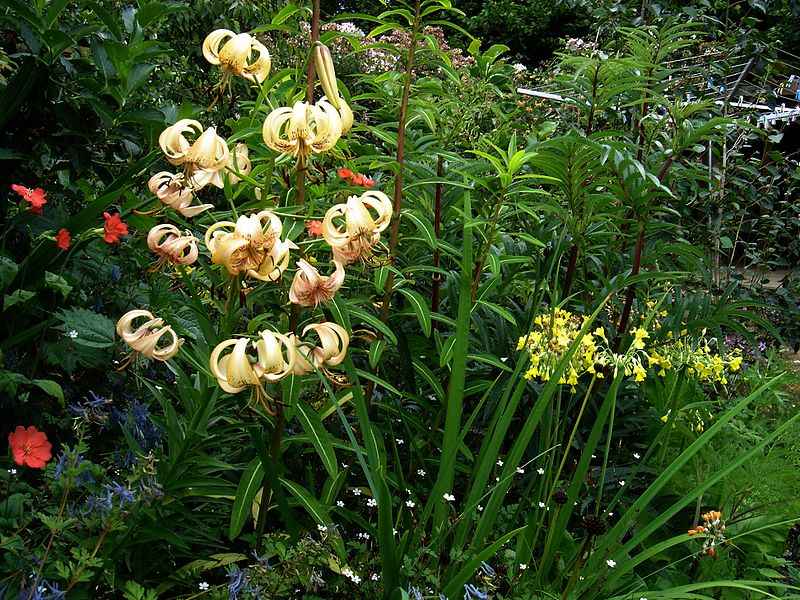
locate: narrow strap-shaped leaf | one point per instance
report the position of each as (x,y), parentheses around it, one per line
(320,437)
(249,485)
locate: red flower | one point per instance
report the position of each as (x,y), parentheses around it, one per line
(63,239)
(314,227)
(30,447)
(35,197)
(345,173)
(358,179)
(369,183)
(113,228)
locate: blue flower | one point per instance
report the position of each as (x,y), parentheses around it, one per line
(44,591)
(239,580)
(415,593)
(487,569)
(473,593)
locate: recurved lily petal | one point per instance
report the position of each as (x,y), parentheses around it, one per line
(145,339)
(309,288)
(303,129)
(238,161)
(345,113)
(334,341)
(253,247)
(273,364)
(169,188)
(202,158)
(166,241)
(361,232)
(240,54)
(234,371)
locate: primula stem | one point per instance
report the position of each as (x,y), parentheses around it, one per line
(671,416)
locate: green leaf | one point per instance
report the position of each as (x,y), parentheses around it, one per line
(284,14)
(319,436)
(94,330)
(420,309)
(376,349)
(249,485)
(57,283)
(8,270)
(51,388)
(16,297)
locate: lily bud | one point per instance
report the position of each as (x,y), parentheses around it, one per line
(323,61)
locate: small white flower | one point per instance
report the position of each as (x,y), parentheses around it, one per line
(399,441)
(12,471)
(356,492)
(363,536)
(611,514)
(540,471)
(375,577)
(542,505)
(394,532)
(480,508)
(344,465)
(340,504)
(593,456)
(611,564)
(421,472)
(73,334)
(520,470)
(637,456)
(504,359)
(622,483)
(499,463)
(449,497)
(372,503)
(203,586)
(322,528)
(410,503)
(523,566)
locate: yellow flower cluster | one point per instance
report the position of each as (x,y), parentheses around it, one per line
(697,358)
(552,337)
(554,334)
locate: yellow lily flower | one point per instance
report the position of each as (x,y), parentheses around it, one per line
(145,338)
(309,288)
(334,341)
(303,129)
(277,356)
(166,241)
(241,157)
(202,159)
(169,188)
(253,247)
(233,52)
(361,232)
